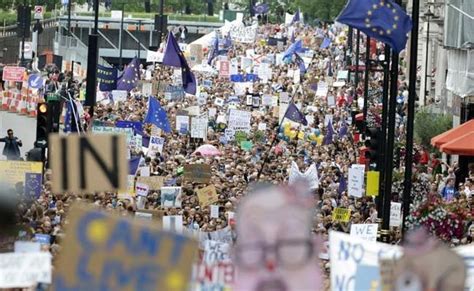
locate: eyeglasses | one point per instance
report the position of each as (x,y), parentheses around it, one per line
(290,253)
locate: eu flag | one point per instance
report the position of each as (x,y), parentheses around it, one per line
(71,120)
(380,19)
(329,135)
(296,17)
(137,126)
(293,114)
(261,8)
(293,48)
(326,43)
(107,78)
(300,62)
(174,57)
(130,76)
(214,50)
(157,115)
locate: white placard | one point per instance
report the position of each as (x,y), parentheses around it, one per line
(262,126)
(144,171)
(367,232)
(147,89)
(214,211)
(356,180)
(331,101)
(239,120)
(395,214)
(212,112)
(353,259)
(154,57)
(155,146)
(27,247)
(199,127)
(310,176)
(182,122)
(284,97)
(173,223)
(267,100)
(143,215)
(24,270)
(219,102)
(119,95)
(323,89)
(215,252)
(171,197)
(141,189)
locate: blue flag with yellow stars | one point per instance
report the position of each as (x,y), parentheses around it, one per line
(137,126)
(174,57)
(157,115)
(380,19)
(293,114)
(130,76)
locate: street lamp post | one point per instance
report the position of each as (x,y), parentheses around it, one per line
(120,39)
(428,14)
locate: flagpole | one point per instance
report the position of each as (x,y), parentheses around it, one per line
(410,114)
(275,137)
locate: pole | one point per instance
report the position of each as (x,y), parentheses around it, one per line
(160,29)
(34,40)
(426,59)
(120,39)
(138,37)
(389,148)
(366,80)
(357,60)
(69,4)
(381,161)
(24,24)
(411,113)
(92,60)
(349,56)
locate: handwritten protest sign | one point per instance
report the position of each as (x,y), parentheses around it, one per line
(395,214)
(215,252)
(173,223)
(239,120)
(24,270)
(341,214)
(106,252)
(213,276)
(356,180)
(171,197)
(367,232)
(141,189)
(199,173)
(130,192)
(182,124)
(199,127)
(207,195)
(153,182)
(354,262)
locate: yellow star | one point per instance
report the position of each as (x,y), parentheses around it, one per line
(396,18)
(389,6)
(381,3)
(369,12)
(388,31)
(394,10)
(374,6)
(381,32)
(367,25)
(367,20)
(394,26)
(374,29)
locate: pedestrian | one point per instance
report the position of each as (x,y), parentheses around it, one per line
(12,146)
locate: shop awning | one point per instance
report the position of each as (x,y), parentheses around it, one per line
(463,145)
(453,133)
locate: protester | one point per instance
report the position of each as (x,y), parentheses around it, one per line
(12,146)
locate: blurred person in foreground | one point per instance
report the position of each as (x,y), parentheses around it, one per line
(275,249)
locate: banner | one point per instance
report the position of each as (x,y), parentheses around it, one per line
(154,57)
(24,270)
(341,214)
(174,93)
(367,232)
(153,182)
(207,195)
(106,78)
(241,33)
(355,262)
(15,171)
(102,251)
(218,276)
(216,252)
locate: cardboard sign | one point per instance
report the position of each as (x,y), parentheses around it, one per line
(196,54)
(215,252)
(15,171)
(171,197)
(103,251)
(24,270)
(199,173)
(173,223)
(341,214)
(15,74)
(207,195)
(395,214)
(153,182)
(224,69)
(367,232)
(214,211)
(89,163)
(355,262)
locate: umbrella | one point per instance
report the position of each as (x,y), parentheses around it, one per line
(207,150)
(462,145)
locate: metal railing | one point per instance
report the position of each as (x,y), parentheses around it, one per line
(11,30)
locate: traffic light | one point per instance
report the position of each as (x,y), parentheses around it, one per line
(373,144)
(23,21)
(42,124)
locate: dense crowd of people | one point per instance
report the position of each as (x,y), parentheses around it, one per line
(331,141)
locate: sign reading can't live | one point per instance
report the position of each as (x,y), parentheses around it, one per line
(15,74)
(88,163)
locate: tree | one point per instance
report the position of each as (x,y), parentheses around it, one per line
(429,125)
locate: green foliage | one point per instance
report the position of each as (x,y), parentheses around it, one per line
(182,17)
(428,125)
(170,6)
(9,5)
(10,18)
